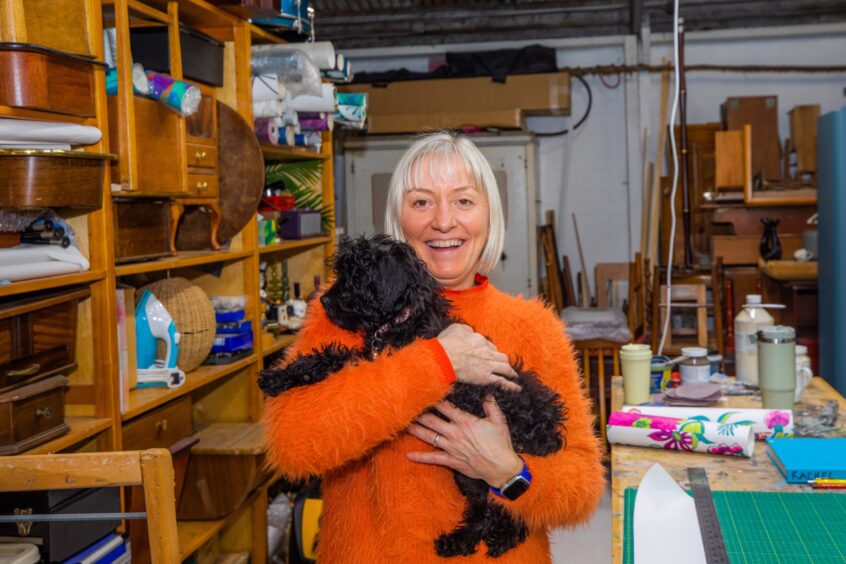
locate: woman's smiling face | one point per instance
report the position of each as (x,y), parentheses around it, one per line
(445,220)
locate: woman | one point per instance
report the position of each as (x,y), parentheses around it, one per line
(387,464)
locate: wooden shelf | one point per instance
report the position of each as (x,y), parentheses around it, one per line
(279,153)
(81,428)
(22,113)
(261,36)
(142,400)
(201,15)
(184,259)
(271,343)
(50,282)
(194,534)
(298,245)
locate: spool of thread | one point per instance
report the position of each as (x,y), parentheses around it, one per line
(176,94)
(308,139)
(267,131)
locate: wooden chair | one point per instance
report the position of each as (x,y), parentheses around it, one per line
(599,349)
(690,290)
(151,469)
(637,298)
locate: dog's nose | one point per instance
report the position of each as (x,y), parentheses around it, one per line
(324,299)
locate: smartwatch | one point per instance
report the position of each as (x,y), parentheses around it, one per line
(516,486)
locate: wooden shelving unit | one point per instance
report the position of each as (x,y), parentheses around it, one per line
(217,392)
(51,282)
(142,400)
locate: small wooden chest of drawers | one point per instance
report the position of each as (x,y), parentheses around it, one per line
(32,415)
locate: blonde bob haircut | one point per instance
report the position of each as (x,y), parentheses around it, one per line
(437,150)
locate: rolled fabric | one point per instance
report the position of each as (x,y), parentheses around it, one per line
(637,429)
(353,98)
(765,423)
(31,134)
(346,112)
(267,131)
(176,94)
(293,67)
(267,87)
(319,124)
(308,139)
(287,135)
(140,82)
(291,118)
(267,108)
(323,103)
(322,53)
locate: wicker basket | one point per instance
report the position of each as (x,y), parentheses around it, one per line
(192,311)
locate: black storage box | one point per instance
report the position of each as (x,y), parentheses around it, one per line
(202,56)
(60,539)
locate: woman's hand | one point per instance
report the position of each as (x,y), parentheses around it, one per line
(475,359)
(479,448)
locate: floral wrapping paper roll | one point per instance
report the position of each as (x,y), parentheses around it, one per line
(672,433)
(765,423)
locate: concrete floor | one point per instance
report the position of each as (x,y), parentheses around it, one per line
(587,544)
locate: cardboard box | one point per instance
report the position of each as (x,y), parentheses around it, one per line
(417,105)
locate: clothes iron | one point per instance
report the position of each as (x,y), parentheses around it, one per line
(153,322)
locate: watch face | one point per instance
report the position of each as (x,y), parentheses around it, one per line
(516,488)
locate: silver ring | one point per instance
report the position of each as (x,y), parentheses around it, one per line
(437,438)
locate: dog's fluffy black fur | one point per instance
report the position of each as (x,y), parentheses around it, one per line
(384,292)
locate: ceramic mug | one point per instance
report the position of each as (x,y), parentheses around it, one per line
(803,378)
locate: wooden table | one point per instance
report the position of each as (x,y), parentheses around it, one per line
(629,464)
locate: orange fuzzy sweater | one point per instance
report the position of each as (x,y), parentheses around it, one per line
(379,507)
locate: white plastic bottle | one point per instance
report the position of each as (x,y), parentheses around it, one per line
(748,322)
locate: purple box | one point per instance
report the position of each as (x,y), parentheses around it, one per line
(299,224)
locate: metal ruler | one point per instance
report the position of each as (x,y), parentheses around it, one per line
(709,525)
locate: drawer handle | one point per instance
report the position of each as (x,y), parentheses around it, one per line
(202,186)
(28,371)
(200,155)
(46,413)
(161,426)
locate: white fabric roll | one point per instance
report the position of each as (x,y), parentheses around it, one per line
(267,108)
(34,261)
(323,103)
(287,135)
(31,134)
(267,87)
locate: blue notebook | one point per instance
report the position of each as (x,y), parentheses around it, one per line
(801,460)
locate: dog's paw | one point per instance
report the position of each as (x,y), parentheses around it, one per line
(456,543)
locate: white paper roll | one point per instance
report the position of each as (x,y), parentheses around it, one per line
(323,103)
(267,108)
(30,134)
(765,423)
(287,135)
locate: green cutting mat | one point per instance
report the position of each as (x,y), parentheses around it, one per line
(769,527)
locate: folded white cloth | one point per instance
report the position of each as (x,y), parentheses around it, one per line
(34,261)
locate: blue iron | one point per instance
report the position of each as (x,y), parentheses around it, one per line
(154,323)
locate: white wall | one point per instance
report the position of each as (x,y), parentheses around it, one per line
(595,172)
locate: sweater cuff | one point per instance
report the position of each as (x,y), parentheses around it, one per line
(442,359)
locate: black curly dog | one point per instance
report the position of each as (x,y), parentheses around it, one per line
(384,292)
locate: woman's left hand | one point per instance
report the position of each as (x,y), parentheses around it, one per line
(479,448)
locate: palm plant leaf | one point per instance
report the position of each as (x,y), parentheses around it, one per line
(299,178)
